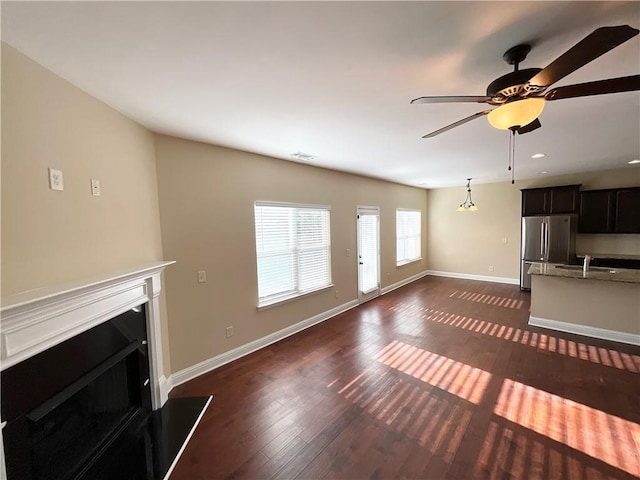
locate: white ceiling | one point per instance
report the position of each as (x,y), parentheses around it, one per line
(334,79)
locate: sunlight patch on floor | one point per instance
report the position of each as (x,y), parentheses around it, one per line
(437,423)
(541,341)
(611,439)
(455,377)
(496,300)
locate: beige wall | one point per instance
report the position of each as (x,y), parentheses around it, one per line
(53,237)
(470,242)
(595,303)
(207,195)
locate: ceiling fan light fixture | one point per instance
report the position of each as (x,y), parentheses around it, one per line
(516,114)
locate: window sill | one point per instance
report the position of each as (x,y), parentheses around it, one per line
(290,298)
(407,262)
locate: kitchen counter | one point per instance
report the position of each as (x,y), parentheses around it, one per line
(599,303)
(594,273)
(612,256)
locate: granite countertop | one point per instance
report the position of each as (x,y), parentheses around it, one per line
(614,256)
(595,273)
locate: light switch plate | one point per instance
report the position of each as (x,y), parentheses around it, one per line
(55,179)
(202,276)
(95,187)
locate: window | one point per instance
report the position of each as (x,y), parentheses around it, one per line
(407,236)
(293,249)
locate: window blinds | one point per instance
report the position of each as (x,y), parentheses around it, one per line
(408,230)
(293,249)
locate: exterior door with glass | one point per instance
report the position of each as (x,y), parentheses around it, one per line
(368,231)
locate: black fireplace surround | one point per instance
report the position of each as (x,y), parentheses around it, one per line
(82,409)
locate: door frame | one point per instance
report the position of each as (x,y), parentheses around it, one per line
(367,210)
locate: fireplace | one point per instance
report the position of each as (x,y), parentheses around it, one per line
(83,394)
(66,405)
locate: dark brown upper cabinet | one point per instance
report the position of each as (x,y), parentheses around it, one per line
(550,200)
(627,210)
(597,211)
(610,211)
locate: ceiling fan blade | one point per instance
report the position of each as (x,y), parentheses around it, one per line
(600,87)
(597,43)
(458,99)
(530,127)
(456,124)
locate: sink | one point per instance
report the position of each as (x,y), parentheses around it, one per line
(591,269)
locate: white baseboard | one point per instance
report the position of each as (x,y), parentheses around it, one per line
(165,384)
(585,330)
(481,278)
(201,368)
(402,283)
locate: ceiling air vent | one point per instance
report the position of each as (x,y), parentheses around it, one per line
(305,157)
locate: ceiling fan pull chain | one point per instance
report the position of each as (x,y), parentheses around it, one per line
(509,155)
(513,157)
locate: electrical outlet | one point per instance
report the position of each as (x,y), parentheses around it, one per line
(491,268)
(202,276)
(95,187)
(337,293)
(55,179)
(348,252)
(228,332)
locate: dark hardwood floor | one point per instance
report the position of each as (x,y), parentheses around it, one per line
(442,378)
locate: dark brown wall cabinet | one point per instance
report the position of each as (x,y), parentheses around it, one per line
(597,211)
(610,211)
(550,200)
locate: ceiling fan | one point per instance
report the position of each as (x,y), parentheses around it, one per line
(520,95)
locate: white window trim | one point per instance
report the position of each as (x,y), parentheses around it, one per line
(278,299)
(407,262)
(288,298)
(400,263)
(261,203)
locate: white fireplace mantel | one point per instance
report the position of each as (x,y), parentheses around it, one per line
(36,320)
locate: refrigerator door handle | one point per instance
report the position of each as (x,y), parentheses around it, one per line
(546,241)
(542,242)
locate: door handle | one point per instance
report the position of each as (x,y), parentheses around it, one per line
(361,263)
(546,242)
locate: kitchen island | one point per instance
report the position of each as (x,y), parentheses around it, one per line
(602,303)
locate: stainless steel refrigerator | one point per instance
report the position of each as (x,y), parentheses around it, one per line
(548,239)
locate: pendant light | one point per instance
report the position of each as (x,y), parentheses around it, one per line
(468,205)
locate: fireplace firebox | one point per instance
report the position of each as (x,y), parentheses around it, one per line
(65,406)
